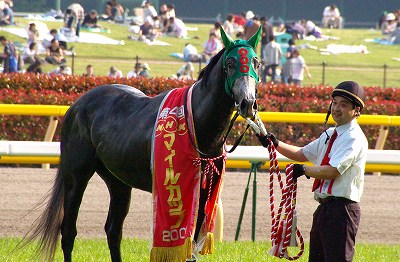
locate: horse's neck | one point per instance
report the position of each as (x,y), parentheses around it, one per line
(212,110)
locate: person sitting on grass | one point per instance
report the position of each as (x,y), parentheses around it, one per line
(55,54)
(90,20)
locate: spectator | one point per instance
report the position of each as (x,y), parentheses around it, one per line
(6,12)
(36,67)
(54,34)
(90,20)
(135,72)
(267,30)
(171,10)
(311,29)
(178,28)
(145,71)
(291,47)
(33,34)
(389,25)
(30,54)
(338,172)
(331,17)
(211,47)
(61,70)
(117,11)
(55,54)
(382,19)
(272,56)
(186,71)
(287,70)
(298,66)
(216,29)
(146,31)
(296,29)
(9,56)
(73,17)
(89,71)
(229,25)
(251,26)
(164,15)
(114,72)
(149,11)
(190,53)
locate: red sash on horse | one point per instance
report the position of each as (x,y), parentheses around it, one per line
(176,181)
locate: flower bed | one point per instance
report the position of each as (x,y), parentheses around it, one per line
(64,90)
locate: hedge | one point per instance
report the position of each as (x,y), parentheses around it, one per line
(64,90)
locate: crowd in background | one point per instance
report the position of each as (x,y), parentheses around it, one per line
(288,67)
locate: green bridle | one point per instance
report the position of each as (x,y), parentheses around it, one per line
(243,53)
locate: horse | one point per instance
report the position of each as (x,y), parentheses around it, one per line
(109,129)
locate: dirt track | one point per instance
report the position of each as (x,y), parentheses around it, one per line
(22,188)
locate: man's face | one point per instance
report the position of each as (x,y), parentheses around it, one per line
(343,110)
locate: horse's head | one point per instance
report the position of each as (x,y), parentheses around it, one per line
(241,65)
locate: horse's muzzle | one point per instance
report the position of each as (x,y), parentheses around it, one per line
(248,108)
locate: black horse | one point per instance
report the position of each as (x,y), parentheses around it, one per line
(109,131)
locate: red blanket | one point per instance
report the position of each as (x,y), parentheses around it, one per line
(176,184)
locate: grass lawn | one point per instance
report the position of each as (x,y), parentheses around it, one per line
(365,68)
(138,250)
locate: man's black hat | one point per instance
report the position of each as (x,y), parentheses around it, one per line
(352,91)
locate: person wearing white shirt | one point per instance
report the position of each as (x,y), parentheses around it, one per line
(30,54)
(135,72)
(178,27)
(331,17)
(338,156)
(115,73)
(190,53)
(211,47)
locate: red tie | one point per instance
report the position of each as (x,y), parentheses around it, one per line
(325,160)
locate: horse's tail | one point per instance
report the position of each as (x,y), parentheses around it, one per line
(46,228)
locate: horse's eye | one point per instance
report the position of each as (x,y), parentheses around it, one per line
(230,66)
(256,63)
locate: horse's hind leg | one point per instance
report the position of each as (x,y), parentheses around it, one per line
(120,197)
(77,168)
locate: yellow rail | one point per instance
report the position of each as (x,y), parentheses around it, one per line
(33,110)
(267,117)
(282,117)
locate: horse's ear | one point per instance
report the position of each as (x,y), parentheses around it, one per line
(226,39)
(253,41)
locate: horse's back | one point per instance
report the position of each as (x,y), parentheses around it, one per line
(117,122)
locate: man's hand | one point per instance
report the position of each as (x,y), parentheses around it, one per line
(264,140)
(298,170)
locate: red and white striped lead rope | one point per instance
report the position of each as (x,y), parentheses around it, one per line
(283,228)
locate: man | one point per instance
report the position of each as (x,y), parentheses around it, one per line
(135,72)
(73,17)
(267,30)
(9,56)
(271,58)
(339,157)
(90,20)
(331,17)
(145,71)
(190,53)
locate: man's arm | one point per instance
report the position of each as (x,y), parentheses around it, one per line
(322,172)
(292,152)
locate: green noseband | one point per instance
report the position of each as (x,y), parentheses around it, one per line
(243,52)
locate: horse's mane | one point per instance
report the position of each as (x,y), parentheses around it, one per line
(205,72)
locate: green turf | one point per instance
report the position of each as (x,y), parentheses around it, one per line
(367,69)
(138,250)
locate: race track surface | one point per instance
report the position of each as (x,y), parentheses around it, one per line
(21,189)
